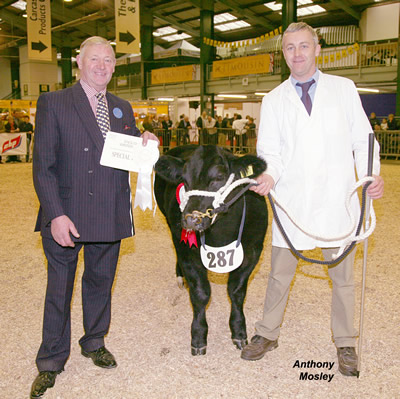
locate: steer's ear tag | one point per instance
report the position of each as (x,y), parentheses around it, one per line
(248,172)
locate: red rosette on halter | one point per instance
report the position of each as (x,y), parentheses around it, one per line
(186,236)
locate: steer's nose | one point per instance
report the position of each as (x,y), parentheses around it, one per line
(194,222)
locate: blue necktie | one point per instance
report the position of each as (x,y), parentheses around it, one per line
(305,97)
(102,117)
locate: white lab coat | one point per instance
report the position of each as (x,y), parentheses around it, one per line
(312,157)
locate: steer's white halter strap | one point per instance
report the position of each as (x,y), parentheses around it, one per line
(219,196)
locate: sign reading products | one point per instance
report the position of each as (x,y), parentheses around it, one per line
(127,26)
(39,29)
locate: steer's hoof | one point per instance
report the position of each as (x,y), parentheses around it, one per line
(199,351)
(240,343)
(180,282)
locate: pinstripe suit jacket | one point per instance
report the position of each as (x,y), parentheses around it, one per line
(67,174)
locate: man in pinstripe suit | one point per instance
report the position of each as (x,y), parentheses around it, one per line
(82,204)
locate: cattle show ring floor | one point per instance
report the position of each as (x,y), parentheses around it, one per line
(151,317)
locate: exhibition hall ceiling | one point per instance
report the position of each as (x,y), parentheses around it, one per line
(73,21)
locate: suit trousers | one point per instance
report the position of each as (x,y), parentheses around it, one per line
(100,265)
(283,268)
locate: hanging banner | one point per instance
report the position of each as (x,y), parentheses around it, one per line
(241,66)
(172,75)
(12,144)
(127,26)
(39,29)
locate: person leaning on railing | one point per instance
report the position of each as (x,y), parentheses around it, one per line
(184,125)
(166,135)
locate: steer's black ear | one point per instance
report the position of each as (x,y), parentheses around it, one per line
(170,168)
(248,166)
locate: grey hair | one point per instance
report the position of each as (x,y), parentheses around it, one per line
(297,26)
(94,40)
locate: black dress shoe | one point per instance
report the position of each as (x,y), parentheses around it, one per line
(45,379)
(101,357)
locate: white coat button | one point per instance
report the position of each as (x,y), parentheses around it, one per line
(86,149)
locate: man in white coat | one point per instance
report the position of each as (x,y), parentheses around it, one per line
(312,146)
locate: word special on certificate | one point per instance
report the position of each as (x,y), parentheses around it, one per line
(128,153)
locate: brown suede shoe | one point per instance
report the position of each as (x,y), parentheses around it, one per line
(347,358)
(257,348)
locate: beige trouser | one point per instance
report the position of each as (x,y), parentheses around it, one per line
(283,268)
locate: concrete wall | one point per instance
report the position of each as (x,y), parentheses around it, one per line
(35,73)
(5,80)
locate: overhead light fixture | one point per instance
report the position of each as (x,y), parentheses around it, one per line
(367,90)
(20,4)
(165,99)
(260,94)
(232,95)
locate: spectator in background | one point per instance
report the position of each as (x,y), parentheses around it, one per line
(169,122)
(184,124)
(226,122)
(180,119)
(155,122)
(384,124)
(321,41)
(211,131)
(27,128)
(12,127)
(220,133)
(231,132)
(240,132)
(250,128)
(166,134)
(201,124)
(373,120)
(392,124)
(147,125)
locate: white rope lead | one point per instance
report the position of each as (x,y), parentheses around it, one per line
(348,236)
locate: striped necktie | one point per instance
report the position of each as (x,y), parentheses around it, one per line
(305,97)
(102,117)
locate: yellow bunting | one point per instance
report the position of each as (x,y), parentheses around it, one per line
(276,31)
(338,56)
(326,59)
(320,59)
(356,46)
(344,53)
(332,57)
(350,49)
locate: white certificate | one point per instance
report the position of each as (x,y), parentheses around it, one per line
(128,153)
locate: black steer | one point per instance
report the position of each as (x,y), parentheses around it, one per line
(207,168)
